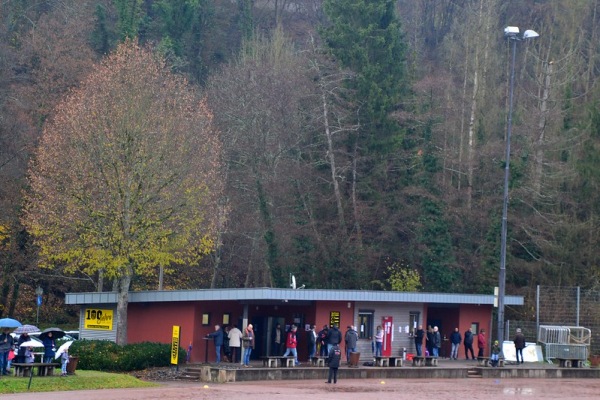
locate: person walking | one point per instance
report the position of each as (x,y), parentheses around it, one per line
(419,334)
(235,342)
(481,343)
(248,343)
(217,336)
(456,340)
(350,339)
(519,342)
(469,344)
(333,361)
(437,341)
(291,344)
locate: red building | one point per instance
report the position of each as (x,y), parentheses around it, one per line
(152,315)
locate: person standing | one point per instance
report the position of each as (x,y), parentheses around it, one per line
(277,340)
(248,340)
(437,342)
(323,340)
(378,341)
(333,361)
(226,348)
(419,334)
(481,342)
(235,341)
(21,350)
(6,343)
(456,340)
(469,344)
(519,342)
(48,342)
(334,337)
(64,360)
(312,342)
(429,341)
(351,339)
(291,343)
(217,336)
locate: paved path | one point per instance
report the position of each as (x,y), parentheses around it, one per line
(443,389)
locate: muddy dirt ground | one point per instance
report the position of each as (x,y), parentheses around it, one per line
(349,389)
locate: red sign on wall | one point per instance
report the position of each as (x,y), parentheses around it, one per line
(388,336)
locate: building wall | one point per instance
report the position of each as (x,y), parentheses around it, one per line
(400,313)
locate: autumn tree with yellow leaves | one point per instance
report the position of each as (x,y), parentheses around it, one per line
(126,176)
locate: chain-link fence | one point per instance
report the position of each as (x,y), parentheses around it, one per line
(570,306)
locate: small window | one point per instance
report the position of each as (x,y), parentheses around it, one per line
(365,324)
(413,322)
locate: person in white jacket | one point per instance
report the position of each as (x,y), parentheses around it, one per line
(235,342)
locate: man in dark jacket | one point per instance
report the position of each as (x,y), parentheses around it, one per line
(469,344)
(455,339)
(351,338)
(335,355)
(519,342)
(322,340)
(278,341)
(334,337)
(6,343)
(419,335)
(217,336)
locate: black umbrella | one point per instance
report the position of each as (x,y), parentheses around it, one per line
(57,333)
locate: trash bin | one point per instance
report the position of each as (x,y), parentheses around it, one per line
(72,365)
(354,359)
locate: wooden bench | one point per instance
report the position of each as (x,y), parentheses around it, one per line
(483,361)
(570,362)
(486,362)
(396,361)
(425,361)
(382,361)
(318,361)
(43,369)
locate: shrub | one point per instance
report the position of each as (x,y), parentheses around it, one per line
(104,355)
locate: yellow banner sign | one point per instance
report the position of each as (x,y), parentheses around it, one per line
(175,345)
(101,320)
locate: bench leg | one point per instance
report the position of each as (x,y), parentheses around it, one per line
(290,362)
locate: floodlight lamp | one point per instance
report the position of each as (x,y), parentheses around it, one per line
(511,31)
(529,34)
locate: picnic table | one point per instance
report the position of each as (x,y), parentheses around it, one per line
(277,361)
(43,369)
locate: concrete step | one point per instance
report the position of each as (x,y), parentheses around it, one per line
(473,373)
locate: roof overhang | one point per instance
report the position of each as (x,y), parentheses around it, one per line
(289,295)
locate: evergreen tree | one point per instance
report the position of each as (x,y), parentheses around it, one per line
(365,36)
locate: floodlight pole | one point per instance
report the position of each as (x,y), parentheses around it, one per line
(39,292)
(511,33)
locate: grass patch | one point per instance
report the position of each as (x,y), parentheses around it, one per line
(82,380)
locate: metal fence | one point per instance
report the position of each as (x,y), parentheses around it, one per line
(560,306)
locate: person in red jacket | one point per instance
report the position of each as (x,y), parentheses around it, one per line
(291,343)
(481,342)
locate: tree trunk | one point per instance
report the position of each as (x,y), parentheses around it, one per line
(122,304)
(539,145)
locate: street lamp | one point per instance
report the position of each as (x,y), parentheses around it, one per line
(512,34)
(39,292)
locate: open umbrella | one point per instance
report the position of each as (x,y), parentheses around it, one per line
(32,343)
(9,323)
(26,329)
(57,333)
(63,347)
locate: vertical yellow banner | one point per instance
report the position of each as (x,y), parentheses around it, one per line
(175,345)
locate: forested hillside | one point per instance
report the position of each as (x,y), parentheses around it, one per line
(362,140)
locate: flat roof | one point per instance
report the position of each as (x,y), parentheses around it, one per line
(261,294)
